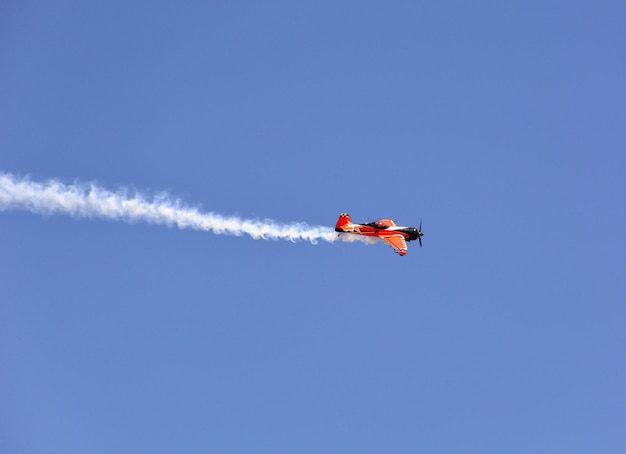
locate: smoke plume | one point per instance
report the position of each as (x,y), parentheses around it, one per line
(92,201)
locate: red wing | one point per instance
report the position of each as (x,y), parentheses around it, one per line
(397,242)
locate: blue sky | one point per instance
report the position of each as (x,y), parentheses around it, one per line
(500,124)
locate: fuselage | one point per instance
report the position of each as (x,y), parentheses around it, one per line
(377,229)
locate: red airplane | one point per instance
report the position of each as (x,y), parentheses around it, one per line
(385,229)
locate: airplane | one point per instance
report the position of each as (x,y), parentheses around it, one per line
(385,229)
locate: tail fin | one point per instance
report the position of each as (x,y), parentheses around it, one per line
(344,219)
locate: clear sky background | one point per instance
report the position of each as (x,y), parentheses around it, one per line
(500,124)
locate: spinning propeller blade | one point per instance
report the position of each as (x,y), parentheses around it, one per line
(420,234)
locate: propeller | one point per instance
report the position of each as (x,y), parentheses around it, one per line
(420,234)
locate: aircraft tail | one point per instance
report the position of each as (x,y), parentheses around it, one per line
(344,219)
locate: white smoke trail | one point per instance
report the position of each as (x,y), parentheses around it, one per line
(91,201)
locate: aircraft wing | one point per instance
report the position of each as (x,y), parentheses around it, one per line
(397,242)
